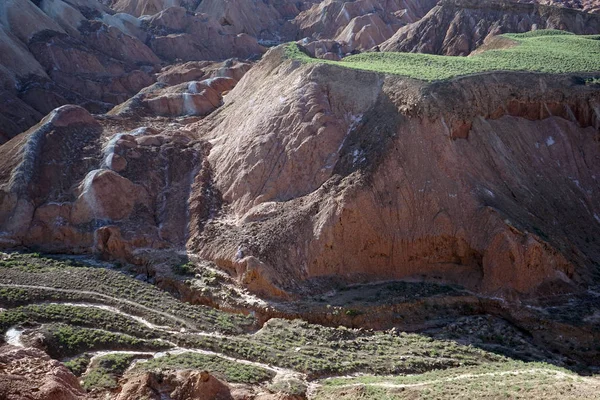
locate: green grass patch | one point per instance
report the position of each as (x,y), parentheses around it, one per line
(230,371)
(546,51)
(27,270)
(74,315)
(183,269)
(67,341)
(322,351)
(79,364)
(511,380)
(106,371)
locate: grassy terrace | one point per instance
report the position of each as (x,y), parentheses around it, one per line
(112,287)
(68,341)
(72,315)
(547,51)
(230,371)
(314,350)
(512,380)
(322,351)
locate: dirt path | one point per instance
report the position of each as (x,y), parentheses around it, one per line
(99,295)
(165,329)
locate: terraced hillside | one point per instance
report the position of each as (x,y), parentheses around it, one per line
(108,327)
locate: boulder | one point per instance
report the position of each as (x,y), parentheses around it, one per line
(106,195)
(29,373)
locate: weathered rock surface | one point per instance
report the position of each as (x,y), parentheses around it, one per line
(585,5)
(67,187)
(29,374)
(192,385)
(359,24)
(454,181)
(150,7)
(194,98)
(80,52)
(194,71)
(181,385)
(179,34)
(457,27)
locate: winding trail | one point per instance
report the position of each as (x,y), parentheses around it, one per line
(16,333)
(100,295)
(145,322)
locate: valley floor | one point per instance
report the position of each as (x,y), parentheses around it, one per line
(108,328)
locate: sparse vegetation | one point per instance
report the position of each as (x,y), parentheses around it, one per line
(74,315)
(79,364)
(513,380)
(548,51)
(312,349)
(184,269)
(220,367)
(103,285)
(321,351)
(106,371)
(67,341)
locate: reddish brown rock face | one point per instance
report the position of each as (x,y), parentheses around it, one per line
(359,24)
(302,173)
(457,27)
(30,374)
(397,187)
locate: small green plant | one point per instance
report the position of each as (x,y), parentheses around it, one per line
(230,371)
(106,371)
(184,269)
(79,364)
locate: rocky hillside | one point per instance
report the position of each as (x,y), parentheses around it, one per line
(83,52)
(58,52)
(457,27)
(293,200)
(429,172)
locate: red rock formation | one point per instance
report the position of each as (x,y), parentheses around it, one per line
(359,24)
(457,27)
(29,374)
(63,189)
(198,37)
(194,71)
(150,7)
(181,385)
(323,183)
(585,5)
(262,19)
(65,51)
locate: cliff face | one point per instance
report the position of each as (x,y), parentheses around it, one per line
(457,27)
(348,175)
(310,173)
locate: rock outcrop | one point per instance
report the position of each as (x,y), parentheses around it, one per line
(58,52)
(452,181)
(584,5)
(179,34)
(457,27)
(29,374)
(67,187)
(189,89)
(180,385)
(360,24)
